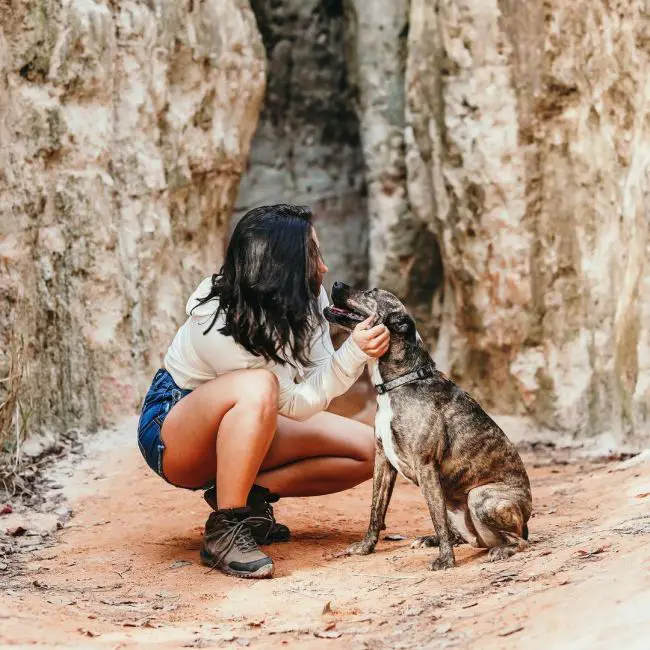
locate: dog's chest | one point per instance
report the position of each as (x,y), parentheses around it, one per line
(383,421)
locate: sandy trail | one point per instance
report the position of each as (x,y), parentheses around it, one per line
(124,571)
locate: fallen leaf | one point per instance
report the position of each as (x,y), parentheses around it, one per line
(327,608)
(18,531)
(601,549)
(178,564)
(142,622)
(330,626)
(61,601)
(6,510)
(328,634)
(512,630)
(256,623)
(86,632)
(474,604)
(394,538)
(641,495)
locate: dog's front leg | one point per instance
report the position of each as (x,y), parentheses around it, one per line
(435,498)
(383,482)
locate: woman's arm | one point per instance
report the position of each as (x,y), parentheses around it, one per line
(331,375)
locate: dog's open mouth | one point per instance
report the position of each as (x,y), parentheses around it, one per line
(341,312)
(343,316)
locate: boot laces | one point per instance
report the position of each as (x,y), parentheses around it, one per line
(232,533)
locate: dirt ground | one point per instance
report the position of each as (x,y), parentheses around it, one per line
(123,571)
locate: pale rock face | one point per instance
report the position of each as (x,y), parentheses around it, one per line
(403,252)
(504,147)
(307,146)
(124,130)
(528,154)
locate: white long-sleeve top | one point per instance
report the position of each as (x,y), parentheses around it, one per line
(194,358)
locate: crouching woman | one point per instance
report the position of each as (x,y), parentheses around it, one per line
(238,409)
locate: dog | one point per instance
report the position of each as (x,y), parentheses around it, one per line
(434,434)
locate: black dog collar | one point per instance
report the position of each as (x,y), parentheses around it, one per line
(421,373)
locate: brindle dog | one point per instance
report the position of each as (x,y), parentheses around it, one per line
(438,437)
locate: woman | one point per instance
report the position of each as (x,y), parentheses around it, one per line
(238,408)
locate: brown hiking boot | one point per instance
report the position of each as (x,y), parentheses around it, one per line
(263,525)
(228,545)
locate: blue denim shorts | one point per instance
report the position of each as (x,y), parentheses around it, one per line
(162,395)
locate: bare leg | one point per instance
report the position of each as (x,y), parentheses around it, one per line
(325,454)
(228,427)
(382,490)
(241,407)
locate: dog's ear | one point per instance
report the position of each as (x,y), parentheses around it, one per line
(402,324)
(402,327)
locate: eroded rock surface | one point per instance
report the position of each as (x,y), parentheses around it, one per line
(124,130)
(528,157)
(307,147)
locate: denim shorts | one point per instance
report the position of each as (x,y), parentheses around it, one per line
(162,395)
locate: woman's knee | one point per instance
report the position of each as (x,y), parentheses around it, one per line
(258,387)
(369,454)
(365,448)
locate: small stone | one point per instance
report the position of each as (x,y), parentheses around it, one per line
(18,531)
(179,563)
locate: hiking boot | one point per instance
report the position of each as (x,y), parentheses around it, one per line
(228,545)
(264,527)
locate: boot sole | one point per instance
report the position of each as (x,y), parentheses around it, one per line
(268,542)
(265,571)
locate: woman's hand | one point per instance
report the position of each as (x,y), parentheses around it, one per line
(374,341)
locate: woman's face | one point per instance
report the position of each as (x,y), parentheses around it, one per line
(321,267)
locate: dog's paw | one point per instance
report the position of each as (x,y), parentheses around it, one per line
(500,553)
(441,563)
(358,548)
(427,541)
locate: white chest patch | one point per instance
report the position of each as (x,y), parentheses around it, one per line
(383,420)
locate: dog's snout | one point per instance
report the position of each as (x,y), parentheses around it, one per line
(340,291)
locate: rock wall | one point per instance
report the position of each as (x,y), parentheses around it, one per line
(124,130)
(307,149)
(495,153)
(528,134)
(403,252)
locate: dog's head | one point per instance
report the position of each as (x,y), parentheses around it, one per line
(350,307)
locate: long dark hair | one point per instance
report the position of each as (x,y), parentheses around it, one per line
(268,285)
